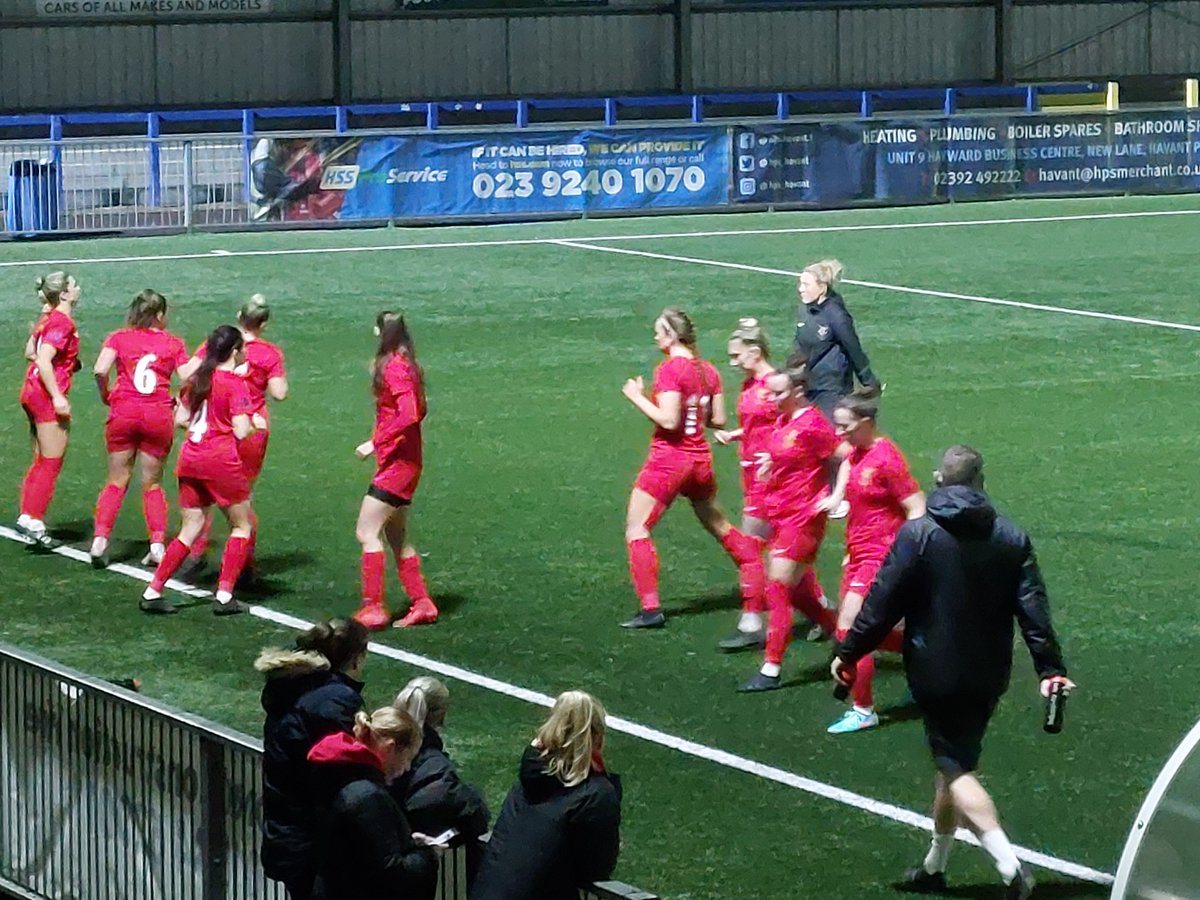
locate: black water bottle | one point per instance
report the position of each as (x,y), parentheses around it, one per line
(1056,705)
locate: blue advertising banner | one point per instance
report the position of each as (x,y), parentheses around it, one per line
(492,174)
(966,158)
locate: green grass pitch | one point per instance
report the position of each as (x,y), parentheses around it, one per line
(1086,425)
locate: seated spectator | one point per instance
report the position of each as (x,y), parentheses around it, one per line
(366,848)
(432,795)
(311,691)
(559,828)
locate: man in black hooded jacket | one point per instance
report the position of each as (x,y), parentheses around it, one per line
(958,577)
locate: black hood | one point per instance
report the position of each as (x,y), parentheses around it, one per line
(537,784)
(965,512)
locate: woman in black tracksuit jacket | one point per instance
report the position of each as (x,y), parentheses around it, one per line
(826,338)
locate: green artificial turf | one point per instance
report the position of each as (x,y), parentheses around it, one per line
(530,453)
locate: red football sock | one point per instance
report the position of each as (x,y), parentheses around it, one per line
(806,597)
(372,577)
(253,538)
(233,560)
(38,489)
(108,504)
(643,568)
(746,551)
(154,508)
(177,552)
(409,568)
(864,675)
(201,543)
(779,622)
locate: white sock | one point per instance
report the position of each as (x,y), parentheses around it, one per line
(864,710)
(158,550)
(939,852)
(771,670)
(224,597)
(99,545)
(151,594)
(750,621)
(997,845)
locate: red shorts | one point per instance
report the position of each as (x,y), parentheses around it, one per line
(220,483)
(148,430)
(37,404)
(753,496)
(858,573)
(797,539)
(400,479)
(667,475)
(253,450)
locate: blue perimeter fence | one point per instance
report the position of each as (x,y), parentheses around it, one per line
(108,794)
(345,175)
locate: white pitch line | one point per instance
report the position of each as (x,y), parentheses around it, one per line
(624,726)
(879,286)
(516,242)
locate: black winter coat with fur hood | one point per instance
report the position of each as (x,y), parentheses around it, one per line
(304,702)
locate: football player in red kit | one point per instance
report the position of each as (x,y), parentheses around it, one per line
(215,409)
(141,419)
(883,494)
(801,452)
(265,374)
(749,352)
(54,361)
(685,399)
(399,388)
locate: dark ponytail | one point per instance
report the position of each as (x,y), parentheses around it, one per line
(221,345)
(394,337)
(145,309)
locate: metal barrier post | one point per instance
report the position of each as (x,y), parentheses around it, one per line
(54,195)
(214,840)
(153,130)
(189,171)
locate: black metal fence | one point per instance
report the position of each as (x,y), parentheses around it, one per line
(108,795)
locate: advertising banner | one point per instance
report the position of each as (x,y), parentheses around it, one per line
(900,161)
(502,174)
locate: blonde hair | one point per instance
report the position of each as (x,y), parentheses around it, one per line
(425,699)
(826,271)
(50,287)
(680,324)
(387,724)
(254,313)
(750,333)
(574,729)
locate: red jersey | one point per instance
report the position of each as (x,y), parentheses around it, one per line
(800,449)
(399,409)
(757,415)
(879,480)
(146,359)
(697,382)
(57,329)
(264,361)
(210,440)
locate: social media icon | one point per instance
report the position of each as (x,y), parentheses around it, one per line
(746,140)
(745,163)
(747,187)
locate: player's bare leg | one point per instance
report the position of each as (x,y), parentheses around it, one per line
(108,504)
(373,516)
(783,575)
(154,505)
(746,553)
(930,875)
(37,490)
(978,813)
(642,515)
(421,610)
